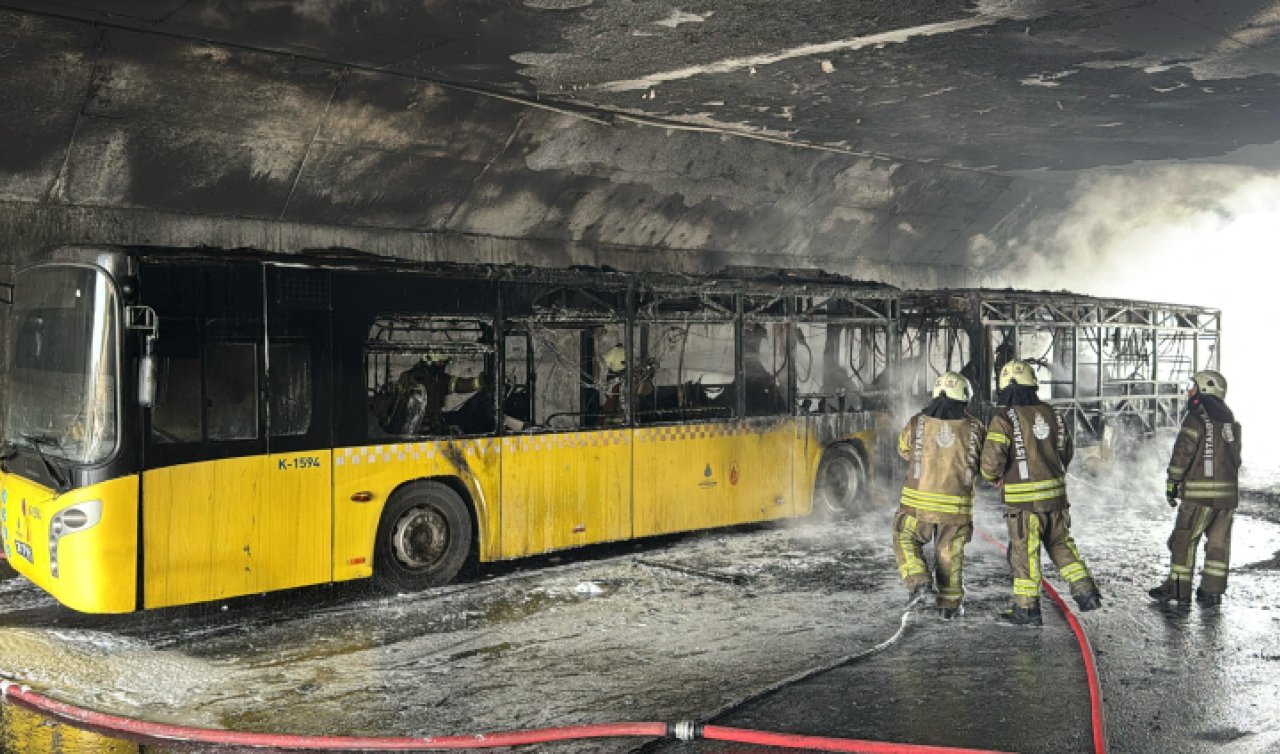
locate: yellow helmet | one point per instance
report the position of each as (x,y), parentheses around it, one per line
(1018,372)
(1210,382)
(436,357)
(615,359)
(953,385)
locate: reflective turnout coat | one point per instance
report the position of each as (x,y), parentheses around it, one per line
(1206,460)
(1029,448)
(942,467)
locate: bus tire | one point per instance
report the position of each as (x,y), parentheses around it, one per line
(841,486)
(424,538)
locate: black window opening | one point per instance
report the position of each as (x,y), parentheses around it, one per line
(430,376)
(207,393)
(765,381)
(844,348)
(231,391)
(210,366)
(178,415)
(842,366)
(291,388)
(216,388)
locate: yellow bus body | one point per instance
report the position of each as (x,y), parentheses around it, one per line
(224,528)
(220,529)
(564,490)
(28,732)
(375,472)
(96,567)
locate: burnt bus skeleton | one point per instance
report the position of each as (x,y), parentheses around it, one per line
(1114,367)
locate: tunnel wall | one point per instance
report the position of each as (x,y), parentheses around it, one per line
(131,137)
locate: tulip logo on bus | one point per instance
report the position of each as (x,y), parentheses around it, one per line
(707,482)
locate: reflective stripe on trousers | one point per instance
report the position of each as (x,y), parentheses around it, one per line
(1028,533)
(910,535)
(1196,521)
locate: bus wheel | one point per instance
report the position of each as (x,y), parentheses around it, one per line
(423,539)
(841,486)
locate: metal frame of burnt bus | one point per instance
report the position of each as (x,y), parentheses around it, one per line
(1116,367)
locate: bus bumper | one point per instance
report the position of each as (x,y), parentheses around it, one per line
(81,547)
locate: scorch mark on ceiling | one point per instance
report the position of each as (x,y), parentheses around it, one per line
(729,65)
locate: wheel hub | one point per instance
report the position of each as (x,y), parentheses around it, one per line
(420,537)
(840,484)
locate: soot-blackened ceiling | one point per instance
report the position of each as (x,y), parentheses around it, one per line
(824,132)
(1036,84)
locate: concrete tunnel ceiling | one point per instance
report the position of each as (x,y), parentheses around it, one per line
(878,139)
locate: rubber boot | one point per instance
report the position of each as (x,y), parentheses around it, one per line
(1206,599)
(952,611)
(920,593)
(1017,615)
(1167,592)
(1090,600)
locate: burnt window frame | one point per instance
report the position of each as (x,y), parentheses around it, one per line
(689,306)
(381,349)
(300,313)
(564,305)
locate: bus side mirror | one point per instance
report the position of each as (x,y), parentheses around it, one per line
(147,379)
(143,319)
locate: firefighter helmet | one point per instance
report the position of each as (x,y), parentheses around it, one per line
(1210,382)
(953,385)
(1018,372)
(615,359)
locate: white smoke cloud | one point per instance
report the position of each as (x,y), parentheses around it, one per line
(1205,235)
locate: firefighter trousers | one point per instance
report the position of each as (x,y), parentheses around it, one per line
(1028,532)
(910,535)
(1195,521)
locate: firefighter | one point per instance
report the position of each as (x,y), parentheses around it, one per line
(1026,454)
(941,446)
(615,364)
(1203,473)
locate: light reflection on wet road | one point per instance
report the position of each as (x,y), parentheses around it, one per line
(682,627)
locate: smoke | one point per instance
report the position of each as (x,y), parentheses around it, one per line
(1202,235)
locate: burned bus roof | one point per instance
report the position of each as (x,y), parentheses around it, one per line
(961,299)
(729,280)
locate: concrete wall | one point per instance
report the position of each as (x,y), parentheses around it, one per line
(124,136)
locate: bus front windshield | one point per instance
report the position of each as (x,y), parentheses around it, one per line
(62,379)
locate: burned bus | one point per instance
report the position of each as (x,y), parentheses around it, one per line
(1116,368)
(185,427)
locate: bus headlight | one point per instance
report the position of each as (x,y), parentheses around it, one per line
(77,518)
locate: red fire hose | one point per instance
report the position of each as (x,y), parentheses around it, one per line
(685,731)
(1097,715)
(1090,669)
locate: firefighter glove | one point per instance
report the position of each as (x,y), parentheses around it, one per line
(1173,491)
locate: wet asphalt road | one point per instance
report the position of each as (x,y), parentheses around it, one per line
(697,627)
